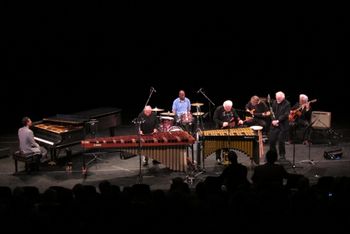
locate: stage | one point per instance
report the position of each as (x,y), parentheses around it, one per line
(307,160)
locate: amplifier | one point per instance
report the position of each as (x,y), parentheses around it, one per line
(321,119)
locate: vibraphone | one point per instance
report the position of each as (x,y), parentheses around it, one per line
(169,148)
(241,139)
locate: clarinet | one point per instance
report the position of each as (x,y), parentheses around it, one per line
(270,106)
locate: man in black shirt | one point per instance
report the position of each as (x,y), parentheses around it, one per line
(259,112)
(279,124)
(149,121)
(149,125)
(225,117)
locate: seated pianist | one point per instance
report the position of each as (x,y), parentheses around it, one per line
(27,143)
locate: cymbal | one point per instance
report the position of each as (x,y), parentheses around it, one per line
(157,109)
(198,113)
(167,113)
(197,104)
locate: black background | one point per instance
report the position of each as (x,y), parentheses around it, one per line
(62,59)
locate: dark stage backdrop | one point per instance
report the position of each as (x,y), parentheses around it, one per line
(66,59)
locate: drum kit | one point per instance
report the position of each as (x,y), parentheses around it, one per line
(167,119)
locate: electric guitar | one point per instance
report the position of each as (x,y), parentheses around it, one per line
(297,112)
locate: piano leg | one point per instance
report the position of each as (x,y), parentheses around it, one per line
(112,131)
(53,156)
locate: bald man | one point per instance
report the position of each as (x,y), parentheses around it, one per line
(149,125)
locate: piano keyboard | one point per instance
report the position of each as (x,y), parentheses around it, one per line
(43,141)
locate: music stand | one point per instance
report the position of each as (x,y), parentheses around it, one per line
(294,139)
(138,122)
(309,160)
(93,131)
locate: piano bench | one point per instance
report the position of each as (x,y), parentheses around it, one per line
(31,160)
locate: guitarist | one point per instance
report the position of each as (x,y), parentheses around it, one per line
(259,112)
(280,109)
(225,116)
(299,118)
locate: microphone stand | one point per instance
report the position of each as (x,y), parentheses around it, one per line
(138,121)
(149,97)
(210,102)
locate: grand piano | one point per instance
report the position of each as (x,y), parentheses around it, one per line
(65,130)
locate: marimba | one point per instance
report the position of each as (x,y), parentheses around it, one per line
(169,148)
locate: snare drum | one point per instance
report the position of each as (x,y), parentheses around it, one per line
(166,123)
(186,118)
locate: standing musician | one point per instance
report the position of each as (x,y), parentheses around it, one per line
(149,124)
(259,112)
(280,109)
(225,117)
(299,118)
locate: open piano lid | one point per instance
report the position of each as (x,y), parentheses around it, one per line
(68,119)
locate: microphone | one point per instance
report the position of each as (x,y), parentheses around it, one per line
(152,89)
(268,98)
(199,90)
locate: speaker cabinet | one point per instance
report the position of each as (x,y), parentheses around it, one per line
(321,119)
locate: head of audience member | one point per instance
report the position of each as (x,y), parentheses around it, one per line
(232,157)
(227,105)
(182,95)
(27,122)
(280,97)
(271,156)
(303,99)
(254,100)
(147,110)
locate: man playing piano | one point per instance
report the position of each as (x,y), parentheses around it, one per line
(27,143)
